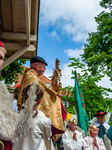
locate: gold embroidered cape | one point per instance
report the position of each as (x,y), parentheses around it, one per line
(50,105)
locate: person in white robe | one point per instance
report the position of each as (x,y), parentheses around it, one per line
(33,126)
(72,138)
(92,141)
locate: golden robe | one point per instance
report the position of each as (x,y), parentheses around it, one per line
(50,105)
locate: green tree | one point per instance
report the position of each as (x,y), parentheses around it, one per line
(98,49)
(10,73)
(95,97)
(98,58)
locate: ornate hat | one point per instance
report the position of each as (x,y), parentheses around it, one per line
(18,86)
(100,112)
(2,47)
(71,121)
(1,44)
(38,59)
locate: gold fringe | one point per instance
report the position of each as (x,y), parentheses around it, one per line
(107,143)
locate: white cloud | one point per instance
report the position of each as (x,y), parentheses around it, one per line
(54,35)
(48,73)
(105,82)
(80,36)
(66,76)
(67,81)
(74,53)
(75,18)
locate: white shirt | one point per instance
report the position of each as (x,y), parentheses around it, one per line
(69,143)
(34,139)
(88,143)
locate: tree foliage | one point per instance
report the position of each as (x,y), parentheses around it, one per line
(106,4)
(96,62)
(98,49)
(10,73)
(95,97)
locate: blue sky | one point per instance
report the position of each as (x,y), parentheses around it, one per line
(50,47)
(63,28)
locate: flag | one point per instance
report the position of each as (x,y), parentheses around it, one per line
(82,117)
(107,117)
(69,116)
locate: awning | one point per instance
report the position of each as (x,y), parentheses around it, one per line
(19,21)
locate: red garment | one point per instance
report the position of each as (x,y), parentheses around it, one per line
(64,112)
(8,145)
(56,131)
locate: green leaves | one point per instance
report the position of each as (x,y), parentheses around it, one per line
(96,63)
(98,51)
(95,97)
(10,73)
(106,4)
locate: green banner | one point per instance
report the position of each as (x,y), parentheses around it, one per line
(82,117)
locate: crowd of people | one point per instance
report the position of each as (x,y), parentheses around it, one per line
(99,136)
(74,140)
(33,127)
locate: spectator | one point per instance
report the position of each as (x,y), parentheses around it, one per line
(104,128)
(72,138)
(92,141)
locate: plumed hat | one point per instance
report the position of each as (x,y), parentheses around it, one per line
(38,59)
(100,112)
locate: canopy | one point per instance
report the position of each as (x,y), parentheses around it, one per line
(19,21)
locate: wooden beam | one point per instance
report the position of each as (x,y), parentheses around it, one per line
(36,21)
(15,47)
(14,15)
(18,36)
(14,56)
(36,16)
(27,17)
